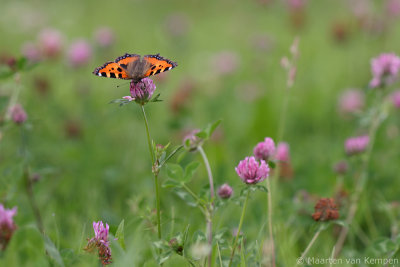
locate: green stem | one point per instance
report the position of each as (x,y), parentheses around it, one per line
(271,235)
(211,209)
(311,243)
(362,180)
(157,205)
(148,135)
(239,229)
(154,172)
(201,206)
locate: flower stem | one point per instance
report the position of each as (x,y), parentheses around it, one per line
(148,135)
(32,201)
(311,243)
(211,209)
(154,172)
(271,235)
(376,121)
(29,182)
(210,177)
(239,229)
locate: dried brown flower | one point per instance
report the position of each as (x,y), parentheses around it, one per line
(325,210)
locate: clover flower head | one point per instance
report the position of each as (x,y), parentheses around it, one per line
(282,152)
(385,69)
(18,114)
(7,225)
(356,145)
(143,90)
(264,150)
(251,171)
(100,241)
(325,210)
(225,191)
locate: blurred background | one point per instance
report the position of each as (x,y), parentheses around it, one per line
(91,156)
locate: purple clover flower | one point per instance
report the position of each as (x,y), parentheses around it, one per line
(225,191)
(104,37)
(356,145)
(264,150)
(7,225)
(18,114)
(143,90)
(251,171)
(100,241)
(79,53)
(51,42)
(385,69)
(351,101)
(282,152)
(31,52)
(191,141)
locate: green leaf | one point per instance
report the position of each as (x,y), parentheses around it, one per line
(199,236)
(175,171)
(202,135)
(211,128)
(169,183)
(271,164)
(189,200)
(190,170)
(120,235)
(262,188)
(242,255)
(52,251)
(176,149)
(156,98)
(121,101)
(21,63)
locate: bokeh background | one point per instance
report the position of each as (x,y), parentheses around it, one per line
(92,158)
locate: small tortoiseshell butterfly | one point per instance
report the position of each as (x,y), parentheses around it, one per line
(134,67)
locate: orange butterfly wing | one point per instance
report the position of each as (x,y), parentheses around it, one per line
(158,64)
(111,70)
(124,60)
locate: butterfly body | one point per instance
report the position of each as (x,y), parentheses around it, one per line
(135,67)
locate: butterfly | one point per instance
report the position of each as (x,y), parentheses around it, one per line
(135,67)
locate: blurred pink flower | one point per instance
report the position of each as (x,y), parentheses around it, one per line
(351,101)
(356,145)
(282,152)
(393,7)
(7,225)
(51,42)
(396,98)
(360,8)
(251,171)
(264,150)
(385,69)
(18,114)
(104,37)
(79,53)
(225,191)
(143,90)
(191,141)
(31,52)
(341,167)
(296,4)
(225,62)
(177,24)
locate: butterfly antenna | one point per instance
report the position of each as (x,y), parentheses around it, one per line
(122,84)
